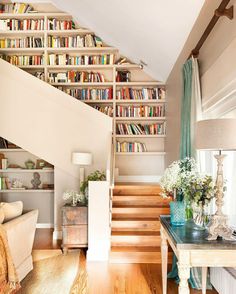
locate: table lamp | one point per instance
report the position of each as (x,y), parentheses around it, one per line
(81,158)
(217,134)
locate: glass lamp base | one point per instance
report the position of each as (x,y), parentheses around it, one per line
(177,213)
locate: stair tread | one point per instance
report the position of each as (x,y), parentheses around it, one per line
(135,249)
(135,233)
(134,218)
(140,206)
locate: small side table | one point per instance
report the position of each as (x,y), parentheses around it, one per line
(74,227)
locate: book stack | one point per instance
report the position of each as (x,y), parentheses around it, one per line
(28,42)
(65,59)
(5,183)
(55,24)
(139,129)
(39,74)
(108,110)
(15,8)
(140,94)
(74,41)
(76,77)
(21,60)
(89,94)
(140,111)
(21,25)
(123,76)
(130,147)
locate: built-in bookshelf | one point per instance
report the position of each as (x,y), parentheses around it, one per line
(54,48)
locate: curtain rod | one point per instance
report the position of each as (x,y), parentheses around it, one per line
(220,11)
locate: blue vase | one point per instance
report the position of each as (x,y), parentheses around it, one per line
(177,213)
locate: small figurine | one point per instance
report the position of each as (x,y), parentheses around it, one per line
(29,164)
(36,181)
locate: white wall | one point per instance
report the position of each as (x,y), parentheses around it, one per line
(48,122)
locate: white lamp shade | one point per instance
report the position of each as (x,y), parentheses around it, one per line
(81,158)
(216,134)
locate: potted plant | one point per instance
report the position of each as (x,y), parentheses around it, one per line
(94,176)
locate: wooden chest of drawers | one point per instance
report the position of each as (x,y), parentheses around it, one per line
(74,227)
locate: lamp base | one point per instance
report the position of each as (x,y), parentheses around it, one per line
(218,227)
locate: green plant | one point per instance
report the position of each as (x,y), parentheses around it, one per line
(94,176)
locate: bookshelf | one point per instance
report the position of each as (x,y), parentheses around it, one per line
(138,82)
(16,170)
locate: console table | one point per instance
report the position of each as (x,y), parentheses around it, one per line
(193,250)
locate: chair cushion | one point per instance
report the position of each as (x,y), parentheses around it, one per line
(2,216)
(11,210)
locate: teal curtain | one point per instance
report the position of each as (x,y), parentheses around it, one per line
(187,150)
(185,143)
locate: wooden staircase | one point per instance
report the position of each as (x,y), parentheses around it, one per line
(135,234)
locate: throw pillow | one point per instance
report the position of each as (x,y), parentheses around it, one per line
(12,210)
(1,215)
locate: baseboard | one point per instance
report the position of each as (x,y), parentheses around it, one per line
(57,235)
(138,179)
(44,226)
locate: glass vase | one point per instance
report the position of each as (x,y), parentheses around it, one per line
(200,217)
(177,213)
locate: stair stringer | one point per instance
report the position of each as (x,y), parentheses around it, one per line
(49,123)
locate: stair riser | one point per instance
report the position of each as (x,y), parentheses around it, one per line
(137,257)
(139,201)
(140,212)
(138,190)
(135,225)
(135,240)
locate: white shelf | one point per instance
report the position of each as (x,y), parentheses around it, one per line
(144,83)
(12,150)
(97,101)
(147,153)
(27,191)
(31,66)
(140,118)
(140,136)
(133,101)
(35,15)
(102,84)
(68,32)
(16,170)
(91,66)
(82,49)
(22,33)
(22,50)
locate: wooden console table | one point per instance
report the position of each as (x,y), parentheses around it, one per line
(193,250)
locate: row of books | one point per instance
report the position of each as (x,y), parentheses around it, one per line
(89,94)
(74,41)
(140,111)
(27,42)
(76,77)
(65,59)
(141,94)
(15,8)
(25,59)
(130,147)
(21,25)
(108,110)
(139,129)
(55,24)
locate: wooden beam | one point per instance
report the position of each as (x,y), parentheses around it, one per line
(220,11)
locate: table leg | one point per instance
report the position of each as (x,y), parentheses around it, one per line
(164,261)
(184,272)
(204,279)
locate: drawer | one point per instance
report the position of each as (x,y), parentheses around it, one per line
(75,235)
(74,215)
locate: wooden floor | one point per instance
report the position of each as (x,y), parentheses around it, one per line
(106,278)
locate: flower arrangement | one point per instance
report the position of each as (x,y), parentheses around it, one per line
(74,197)
(183,177)
(176,175)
